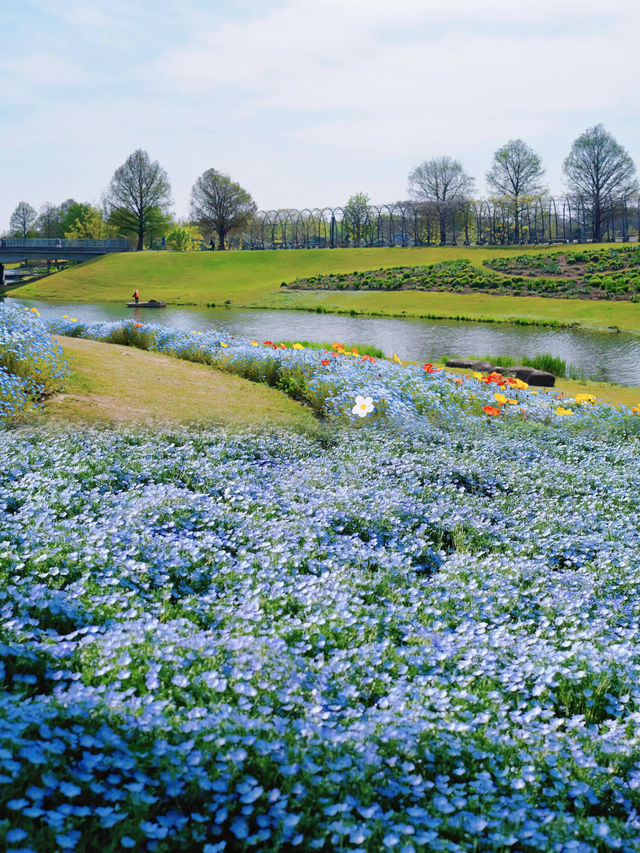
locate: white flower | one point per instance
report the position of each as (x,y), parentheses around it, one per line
(363,406)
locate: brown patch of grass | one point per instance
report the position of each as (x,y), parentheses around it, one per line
(116,384)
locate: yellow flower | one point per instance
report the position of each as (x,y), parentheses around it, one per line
(499,398)
(518,383)
(35,311)
(561,411)
(65,316)
(73,319)
(585,398)
(254,343)
(513,402)
(476,375)
(222,344)
(636,410)
(396,359)
(297,346)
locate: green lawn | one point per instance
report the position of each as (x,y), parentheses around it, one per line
(117,384)
(252,279)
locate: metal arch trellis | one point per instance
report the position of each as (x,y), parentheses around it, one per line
(413,223)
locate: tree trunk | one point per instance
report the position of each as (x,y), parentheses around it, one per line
(221,236)
(597,222)
(140,238)
(443,227)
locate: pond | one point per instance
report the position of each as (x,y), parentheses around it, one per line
(606,356)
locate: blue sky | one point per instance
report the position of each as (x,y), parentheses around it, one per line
(303,102)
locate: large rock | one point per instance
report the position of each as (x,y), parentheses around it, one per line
(530,375)
(480,366)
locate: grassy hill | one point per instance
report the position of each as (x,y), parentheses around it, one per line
(115,384)
(253,279)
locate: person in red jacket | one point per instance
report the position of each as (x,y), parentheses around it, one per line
(136,295)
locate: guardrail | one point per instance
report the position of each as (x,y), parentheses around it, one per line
(119,245)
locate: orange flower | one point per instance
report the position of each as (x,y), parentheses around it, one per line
(457,380)
(491,410)
(368,358)
(137,325)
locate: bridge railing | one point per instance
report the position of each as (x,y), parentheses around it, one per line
(54,243)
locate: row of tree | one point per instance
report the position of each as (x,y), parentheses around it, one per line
(597,169)
(138,199)
(137,203)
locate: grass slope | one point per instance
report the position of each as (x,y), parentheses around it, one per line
(117,384)
(252,279)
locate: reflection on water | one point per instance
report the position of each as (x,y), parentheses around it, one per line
(599,355)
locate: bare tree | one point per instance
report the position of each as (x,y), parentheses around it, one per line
(598,170)
(516,177)
(22,219)
(442,181)
(219,205)
(48,222)
(138,196)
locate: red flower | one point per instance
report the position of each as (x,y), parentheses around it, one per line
(267,343)
(428,368)
(325,361)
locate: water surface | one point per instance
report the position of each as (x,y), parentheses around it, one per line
(607,356)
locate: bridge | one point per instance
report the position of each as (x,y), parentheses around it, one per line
(16,249)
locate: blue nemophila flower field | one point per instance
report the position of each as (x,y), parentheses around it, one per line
(31,364)
(419,633)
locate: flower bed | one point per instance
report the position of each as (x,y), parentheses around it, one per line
(591,274)
(31,364)
(404,394)
(416,635)
(595,273)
